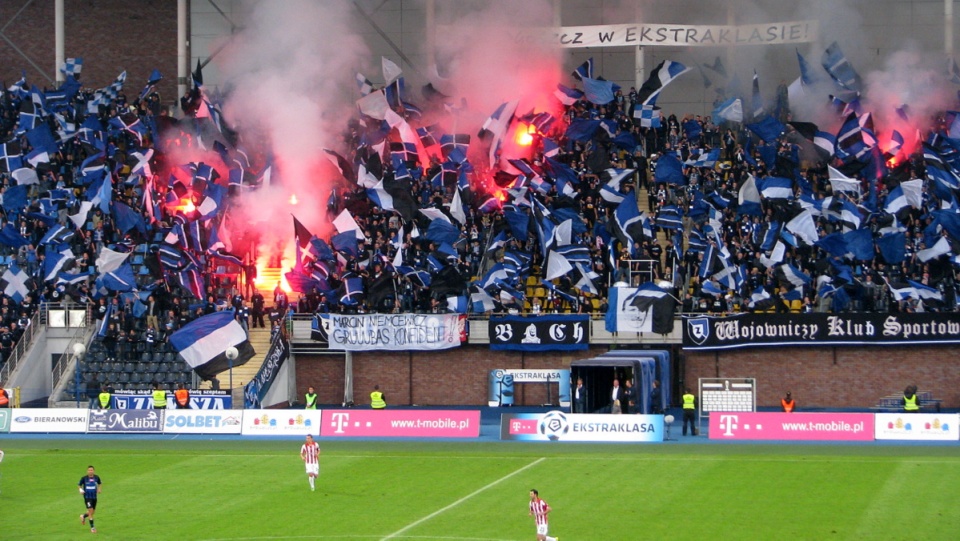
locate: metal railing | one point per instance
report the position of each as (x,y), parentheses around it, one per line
(64,315)
(63,362)
(20,348)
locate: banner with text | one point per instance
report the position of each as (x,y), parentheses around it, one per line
(401,423)
(117,420)
(791,426)
(539,333)
(4,420)
(917,426)
(143,400)
(397,332)
(202,422)
(706,333)
(685,35)
(559,426)
(280,422)
(256,389)
(48,420)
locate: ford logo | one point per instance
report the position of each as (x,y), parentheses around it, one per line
(22,419)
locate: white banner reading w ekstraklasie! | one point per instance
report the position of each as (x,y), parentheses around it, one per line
(685,35)
(396,331)
(668,35)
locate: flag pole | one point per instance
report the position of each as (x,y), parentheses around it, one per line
(58,41)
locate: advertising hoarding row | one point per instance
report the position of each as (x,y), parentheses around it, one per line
(270,422)
(550,426)
(734,426)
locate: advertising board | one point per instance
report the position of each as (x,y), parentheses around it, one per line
(560,426)
(401,423)
(791,426)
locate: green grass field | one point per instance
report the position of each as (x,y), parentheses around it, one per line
(248,490)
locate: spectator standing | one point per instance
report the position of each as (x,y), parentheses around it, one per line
(377,400)
(787,403)
(159,397)
(182,397)
(310,399)
(911,402)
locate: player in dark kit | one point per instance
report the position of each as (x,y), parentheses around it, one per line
(89,486)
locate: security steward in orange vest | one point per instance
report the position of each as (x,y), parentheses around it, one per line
(182,396)
(787,403)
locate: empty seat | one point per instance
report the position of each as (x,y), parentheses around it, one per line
(169,357)
(129,367)
(135,377)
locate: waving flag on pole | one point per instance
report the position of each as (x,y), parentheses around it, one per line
(203,343)
(660,77)
(15,283)
(731,110)
(72,66)
(840,69)
(648,115)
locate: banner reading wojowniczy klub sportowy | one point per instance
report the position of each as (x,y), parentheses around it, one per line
(705,333)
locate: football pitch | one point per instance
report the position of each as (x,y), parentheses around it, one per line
(232,490)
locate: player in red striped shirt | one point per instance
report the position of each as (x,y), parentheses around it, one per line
(539,510)
(310,454)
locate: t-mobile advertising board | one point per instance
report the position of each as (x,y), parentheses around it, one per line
(917,426)
(48,420)
(559,426)
(791,426)
(401,423)
(280,422)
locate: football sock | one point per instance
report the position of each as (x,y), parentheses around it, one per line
(311,482)
(551,538)
(91,524)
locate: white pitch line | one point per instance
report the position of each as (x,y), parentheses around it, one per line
(463,499)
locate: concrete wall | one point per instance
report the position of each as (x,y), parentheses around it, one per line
(834,377)
(817,377)
(110,36)
(453,377)
(113,35)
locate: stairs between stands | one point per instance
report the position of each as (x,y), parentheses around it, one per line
(260,340)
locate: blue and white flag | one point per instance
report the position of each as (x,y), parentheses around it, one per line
(72,66)
(660,77)
(598,92)
(643,309)
(925,292)
(776,188)
(840,69)
(648,115)
(15,283)
(203,342)
(731,109)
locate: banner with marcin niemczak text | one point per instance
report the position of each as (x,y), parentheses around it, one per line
(706,333)
(396,332)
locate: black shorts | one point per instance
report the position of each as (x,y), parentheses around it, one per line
(91,503)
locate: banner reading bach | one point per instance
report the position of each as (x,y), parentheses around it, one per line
(847,329)
(398,332)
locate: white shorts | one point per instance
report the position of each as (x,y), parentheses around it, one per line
(541,529)
(313,469)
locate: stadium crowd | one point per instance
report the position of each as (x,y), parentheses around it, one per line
(89,217)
